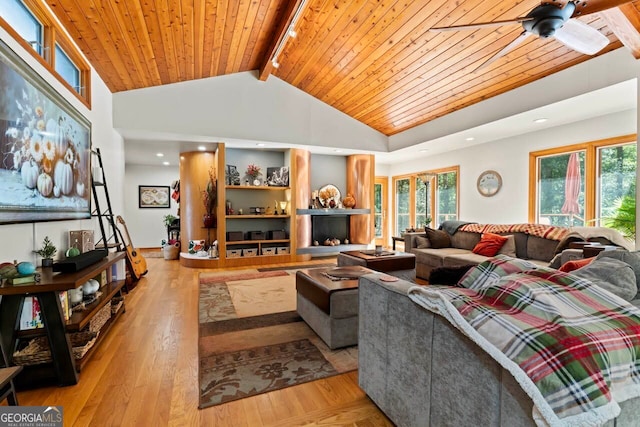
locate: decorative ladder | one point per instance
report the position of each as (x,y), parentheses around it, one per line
(107,215)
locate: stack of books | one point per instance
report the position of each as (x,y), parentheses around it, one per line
(24,279)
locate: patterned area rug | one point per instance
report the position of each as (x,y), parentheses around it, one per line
(243,355)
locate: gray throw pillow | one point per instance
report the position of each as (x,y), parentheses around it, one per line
(611,274)
(509,247)
(439,239)
(422,242)
(631,258)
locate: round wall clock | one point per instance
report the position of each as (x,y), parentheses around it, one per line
(489,183)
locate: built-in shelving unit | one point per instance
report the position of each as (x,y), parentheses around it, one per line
(328,211)
(255,187)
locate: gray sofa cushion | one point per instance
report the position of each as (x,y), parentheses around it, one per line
(464,259)
(539,248)
(611,274)
(509,247)
(631,258)
(465,240)
(435,257)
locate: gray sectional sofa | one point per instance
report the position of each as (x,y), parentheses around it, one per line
(535,249)
(421,371)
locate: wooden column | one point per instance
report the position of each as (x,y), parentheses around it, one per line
(300,180)
(194,174)
(360,184)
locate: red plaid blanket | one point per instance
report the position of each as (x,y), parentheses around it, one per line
(574,347)
(540,230)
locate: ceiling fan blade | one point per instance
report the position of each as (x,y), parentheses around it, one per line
(592,6)
(508,48)
(482,24)
(581,37)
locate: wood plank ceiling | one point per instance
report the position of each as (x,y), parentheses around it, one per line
(374,60)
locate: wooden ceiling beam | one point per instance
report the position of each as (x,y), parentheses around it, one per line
(624,21)
(281,32)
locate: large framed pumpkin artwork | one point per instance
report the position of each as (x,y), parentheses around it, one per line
(45,148)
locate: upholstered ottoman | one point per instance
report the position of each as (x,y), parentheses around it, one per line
(327,300)
(399,264)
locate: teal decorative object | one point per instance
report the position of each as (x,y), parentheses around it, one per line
(26,268)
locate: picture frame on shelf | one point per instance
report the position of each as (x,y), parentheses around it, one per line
(232,176)
(278,176)
(153,196)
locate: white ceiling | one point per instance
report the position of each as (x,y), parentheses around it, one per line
(141,147)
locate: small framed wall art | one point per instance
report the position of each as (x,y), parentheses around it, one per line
(153,196)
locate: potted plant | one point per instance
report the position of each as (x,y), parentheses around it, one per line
(47,252)
(168,219)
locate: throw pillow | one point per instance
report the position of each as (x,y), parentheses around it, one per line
(439,239)
(422,242)
(575,264)
(448,275)
(509,247)
(611,274)
(490,244)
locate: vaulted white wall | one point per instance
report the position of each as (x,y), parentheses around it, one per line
(510,158)
(242,107)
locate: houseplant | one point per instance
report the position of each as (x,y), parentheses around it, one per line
(167,220)
(47,252)
(209,199)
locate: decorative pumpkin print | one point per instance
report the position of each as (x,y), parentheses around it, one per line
(63,177)
(29,174)
(45,184)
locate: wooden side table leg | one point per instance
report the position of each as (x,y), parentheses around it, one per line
(63,361)
(10,309)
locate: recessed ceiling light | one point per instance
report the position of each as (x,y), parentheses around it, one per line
(337,150)
(469,139)
(165,163)
(202,148)
(424,150)
(540,120)
(260,144)
(160,154)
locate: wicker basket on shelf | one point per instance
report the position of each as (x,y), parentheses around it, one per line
(102,316)
(38,351)
(116,304)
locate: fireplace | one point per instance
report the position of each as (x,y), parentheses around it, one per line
(325,227)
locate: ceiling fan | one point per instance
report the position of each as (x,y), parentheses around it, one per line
(550,20)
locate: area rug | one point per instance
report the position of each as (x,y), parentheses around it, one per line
(252,341)
(154,254)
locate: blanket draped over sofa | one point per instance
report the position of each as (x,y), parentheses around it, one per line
(572,346)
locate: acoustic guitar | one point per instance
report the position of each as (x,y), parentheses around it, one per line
(137,263)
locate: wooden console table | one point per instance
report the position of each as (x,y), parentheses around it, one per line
(66,368)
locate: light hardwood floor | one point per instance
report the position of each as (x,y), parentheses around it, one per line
(146,372)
